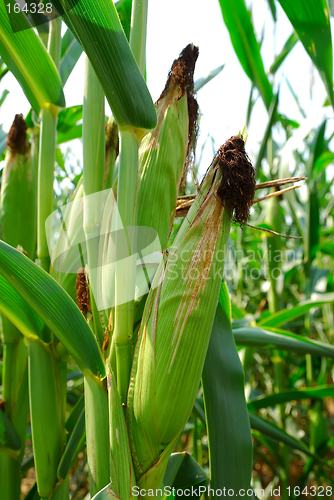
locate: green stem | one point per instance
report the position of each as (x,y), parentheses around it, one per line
(10,477)
(47,156)
(125,274)
(138,32)
(46,421)
(97,433)
(93,135)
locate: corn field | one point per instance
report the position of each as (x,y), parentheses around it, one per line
(167,327)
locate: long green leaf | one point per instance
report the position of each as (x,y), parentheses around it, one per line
(230,443)
(184,472)
(18,312)
(74,445)
(288,46)
(200,82)
(98,29)
(311,20)
(239,25)
(270,430)
(313,224)
(8,436)
(286,315)
(324,391)
(27,58)
(54,306)
(271,121)
(71,50)
(257,337)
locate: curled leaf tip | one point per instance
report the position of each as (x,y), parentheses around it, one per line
(237,186)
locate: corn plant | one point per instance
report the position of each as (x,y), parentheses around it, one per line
(121,285)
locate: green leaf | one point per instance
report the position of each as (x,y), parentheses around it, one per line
(286,315)
(124,8)
(33,494)
(325,391)
(73,447)
(327,248)
(54,306)
(230,442)
(98,29)
(239,25)
(267,133)
(325,159)
(184,472)
(200,82)
(68,124)
(18,312)
(280,58)
(74,415)
(331,7)
(313,226)
(71,50)
(270,430)
(28,60)
(8,436)
(257,337)
(312,24)
(272,6)
(3,96)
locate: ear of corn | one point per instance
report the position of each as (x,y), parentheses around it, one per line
(19,191)
(112,149)
(18,222)
(179,314)
(164,151)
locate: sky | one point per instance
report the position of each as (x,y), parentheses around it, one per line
(223,101)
